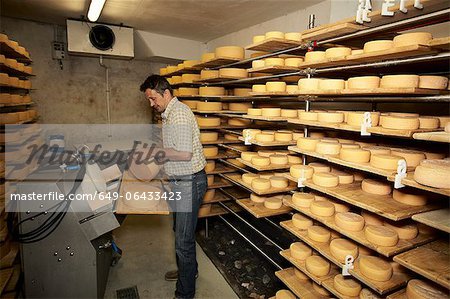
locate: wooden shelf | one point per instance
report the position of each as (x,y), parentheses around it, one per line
(219,183)
(264,168)
(301,265)
(16,104)
(236,179)
(430,260)
(10,52)
(409,181)
(273,143)
(301,288)
(186,70)
(438,219)
(274,69)
(216,210)
(442,43)
(273,45)
(332,30)
(220,168)
(329,285)
(222,112)
(216,62)
(259,210)
(218,79)
(359,237)
(440,136)
(13,72)
(218,197)
(222,155)
(266,118)
(398,295)
(221,141)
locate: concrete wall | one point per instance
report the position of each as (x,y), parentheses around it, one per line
(76,94)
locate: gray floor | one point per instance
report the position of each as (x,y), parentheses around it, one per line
(148,245)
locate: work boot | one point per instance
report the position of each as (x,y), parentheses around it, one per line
(173,275)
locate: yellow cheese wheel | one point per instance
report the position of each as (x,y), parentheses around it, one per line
(272,203)
(405,231)
(276,86)
(399,81)
(249,177)
(337,52)
(296,135)
(410,196)
(274,61)
(356,118)
(344,177)
(295,36)
(346,286)
(375,268)
(433,82)
(331,84)
(317,265)
(209,136)
(209,74)
(356,155)
(301,222)
(210,151)
(258,63)
(300,275)
(368,294)
(303,200)
(357,52)
(230,52)
(239,106)
(209,106)
(325,179)
(300,251)
(284,294)
(319,234)
(428,122)
(330,117)
(349,221)
(233,73)
(309,84)
(230,137)
(210,166)
(371,218)
(258,88)
(256,198)
(187,91)
(387,162)
(204,210)
(289,113)
(378,150)
(176,79)
(180,66)
(301,171)
(421,289)
(322,208)
(381,235)
(291,88)
(266,175)
(378,45)
(260,161)
(247,156)
(208,121)
(271,112)
(258,38)
(319,167)
(328,148)
(433,173)
(278,159)
(242,92)
(239,122)
(293,61)
(279,182)
(171,69)
(307,143)
(412,38)
(274,34)
(308,115)
(315,56)
(254,111)
(266,153)
(376,187)
(261,184)
(364,82)
(163,71)
(265,137)
(211,91)
(413,158)
(283,136)
(189,78)
(190,63)
(434,156)
(340,248)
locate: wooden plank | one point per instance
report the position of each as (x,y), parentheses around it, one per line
(390,54)
(259,210)
(219,183)
(216,62)
(273,94)
(393,132)
(10,52)
(398,295)
(5,276)
(329,285)
(430,260)
(442,43)
(272,143)
(409,181)
(341,126)
(393,91)
(273,45)
(222,155)
(219,78)
(301,265)
(220,168)
(218,197)
(360,237)
(433,136)
(301,288)
(264,168)
(266,118)
(235,192)
(439,219)
(274,69)
(221,141)
(222,112)
(332,31)
(216,210)
(237,179)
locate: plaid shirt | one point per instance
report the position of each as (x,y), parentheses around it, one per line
(181,132)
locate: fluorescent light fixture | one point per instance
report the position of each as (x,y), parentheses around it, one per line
(95,9)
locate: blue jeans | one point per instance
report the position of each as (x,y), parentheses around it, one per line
(192,189)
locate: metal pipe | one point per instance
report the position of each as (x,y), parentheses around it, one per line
(108,91)
(251,243)
(387,99)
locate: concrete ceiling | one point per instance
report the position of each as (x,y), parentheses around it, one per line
(200,20)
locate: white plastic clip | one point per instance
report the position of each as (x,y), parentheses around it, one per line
(301,179)
(401,174)
(385,8)
(348,265)
(366,123)
(247,138)
(418,5)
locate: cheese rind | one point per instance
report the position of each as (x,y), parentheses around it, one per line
(303,200)
(207,57)
(307,143)
(208,121)
(319,167)
(276,86)
(211,91)
(260,161)
(293,62)
(420,289)
(349,221)
(356,155)
(187,91)
(308,115)
(428,122)
(378,45)
(371,219)
(249,177)
(317,265)
(273,203)
(209,136)
(309,84)
(356,118)
(346,286)
(433,173)
(387,162)
(209,74)
(406,231)
(230,52)
(233,73)
(301,171)
(399,81)
(364,82)
(258,38)
(271,112)
(274,34)
(319,234)
(260,184)
(412,157)
(380,235)
(239,122)
(376,187)
(322,208)
(340,248)
(332,84)
(209,106)
(295,36)
(301,222)
(327,148)
(375,268)
(289,113)
(410,197)
(274,61)
(284,294)
(279,182)
(315,56)
(325,179)
(433,82)
(337,52)
(330,117)
(300,251)
(412,38)
(210,151)
(256,198)
(254,111)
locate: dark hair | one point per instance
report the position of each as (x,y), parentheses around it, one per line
(157,83)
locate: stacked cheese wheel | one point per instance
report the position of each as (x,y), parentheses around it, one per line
(262,159)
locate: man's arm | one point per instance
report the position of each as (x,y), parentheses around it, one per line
(174,155)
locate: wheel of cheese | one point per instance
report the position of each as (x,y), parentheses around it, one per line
(378,150)
(273,203)
(187,91)
(256,198)
(412,38)
(376,187)
(209,195)
(292,89)
(317,265)
(433,173)
(405,231)
(279,182)
(271,112)
(249,177)
(368,294)
(283,136)
(293,62)
(176,79)
(307,143)
(428,122)
(387,162)
(254,111)
(230,137)
(355,119)
(259,88)
(356,155)
(340,248)
(209,136)
(208,121)
(180,66)
(413,158)
(364,82)
(371,218)
(378,45)
(433,82)
(327,148)
(247,156)
(301,171)
(300,275)
(210,151)
(319,167)
(242,92)
(278,159)
(190,63)
(239,122)
(300,251)
(349,221)
(435,156)
(309,84)
(189,78)
(260,184)
(289,113)
(322,208)
(381,235)
(233,73)
(274,61)
(258,38)
(319,234)
(294,159)
(303,200)
(344,177)
(308,115)
(331,84)
(266,153)
(163,71)
(284,294)
(410,197)
(346,286)
(330,117)
(296,135)
(276,86)
(337,52)
(295,36)
(315,56)
(301,222)
(239,106)
(266,175)
(420,289)
(260,161)
(274,34)
(209,74)
(375,268)
(264,137)
(399,81)
(211,91)
(230,52)
(209,106)
(210,166)
(325,179)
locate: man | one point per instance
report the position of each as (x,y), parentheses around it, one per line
(185,168)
